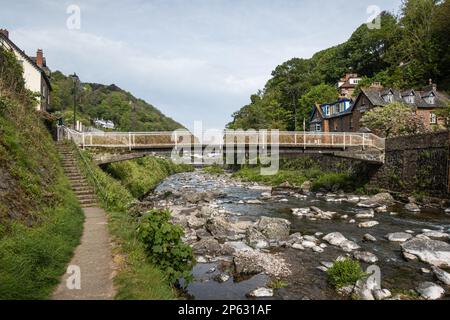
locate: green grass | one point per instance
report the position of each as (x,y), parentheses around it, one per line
(214,170)
(296,177)
(344,273)
(41,221)
(141,176)
(32,260)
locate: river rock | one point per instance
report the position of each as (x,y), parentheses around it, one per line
(237,246)
(442,276)
(369,237)
(368,224)
(363,290)
(254,262)
(207,246)
(274,228)
(298,246)
(436,235)
(447,211)
(398,236)
(308,244)
(381,209)
(349,246)
(317,249)
(381,294)
(256,239)
(365,256)
(195,223)
(409,257)
(221,278)
(433,252)
(306,186)
(254,201)
(430,291)
(369,214)
(353,199)
(378,200)
(222,229)
(412,207)
(261,293)
(335,238)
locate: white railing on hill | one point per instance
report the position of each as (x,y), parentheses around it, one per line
(149,140)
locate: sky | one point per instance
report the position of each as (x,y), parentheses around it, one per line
(195,60)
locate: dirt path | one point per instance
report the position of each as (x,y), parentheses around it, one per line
(94,259)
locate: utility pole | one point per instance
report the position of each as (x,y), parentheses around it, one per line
(75,84)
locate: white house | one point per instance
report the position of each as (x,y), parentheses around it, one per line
(35,71)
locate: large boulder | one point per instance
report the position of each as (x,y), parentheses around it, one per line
(274,228)
(207,247)
(398,236)
(254,262)
(256,239)
(430,291)
(378,200)
(335,238)
(434,252)
(221,229)
(442,276)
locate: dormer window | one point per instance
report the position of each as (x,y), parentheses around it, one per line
(389,98)
(430,99)
(410,99)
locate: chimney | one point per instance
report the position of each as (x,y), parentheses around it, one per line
(4,32)
(40,58)
(431,86)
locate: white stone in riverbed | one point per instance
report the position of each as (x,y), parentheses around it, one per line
(433,252)
(364,216)
(255,201)
(298,246)
(310,238)
(381,209)
(369,237)
(344,217)
(430,291)
(442,276)
(365,256)
(201,259)
(409,256)
(317,249)
(323,245)
(335,238)
(412,207)
(327,264)
(318,234)
(368,224)
(409,231)
(352,221)
(261,293)
(308,244)
(353,199)
(398,236)
(322,268)
(447,211)
(349,246)
(221,278)
(436,235)
(381,294)
(425,270)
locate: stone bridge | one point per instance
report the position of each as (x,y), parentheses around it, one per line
(109,147)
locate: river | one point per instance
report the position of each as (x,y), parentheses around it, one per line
(306,281)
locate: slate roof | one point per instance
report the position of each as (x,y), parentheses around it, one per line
(375,95)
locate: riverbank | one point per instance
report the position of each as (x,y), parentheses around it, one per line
(247,236)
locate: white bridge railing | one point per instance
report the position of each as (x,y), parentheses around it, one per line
(148,140)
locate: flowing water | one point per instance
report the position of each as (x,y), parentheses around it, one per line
(306,281)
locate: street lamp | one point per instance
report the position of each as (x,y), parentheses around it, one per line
(75,83)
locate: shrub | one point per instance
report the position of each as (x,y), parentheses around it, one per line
(214,170)
(334,181)
(164,246)
(344,273)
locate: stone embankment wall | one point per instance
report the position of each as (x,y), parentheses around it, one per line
(416,164)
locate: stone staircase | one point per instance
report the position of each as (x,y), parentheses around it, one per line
(84,192)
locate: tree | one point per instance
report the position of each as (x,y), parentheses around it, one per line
(393,120)
(445,114)
(322,93)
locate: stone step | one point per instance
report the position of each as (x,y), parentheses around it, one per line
(85,197)
(89,193)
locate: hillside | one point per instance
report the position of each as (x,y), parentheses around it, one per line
(405,52)
(40,218)
(108,102)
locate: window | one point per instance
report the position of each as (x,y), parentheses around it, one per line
(409,99)
(430,100)
(318,127)
(433,118)
(389,98)
(327,110)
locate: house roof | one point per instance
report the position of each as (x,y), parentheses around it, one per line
(375,96)
(26,57)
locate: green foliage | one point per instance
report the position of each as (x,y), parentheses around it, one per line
(405,52)
(393,120)
(214,170)
(334,181)
(40,219)
(141,176)
(278,284)
(107,102)
(344,273)
(164,245)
